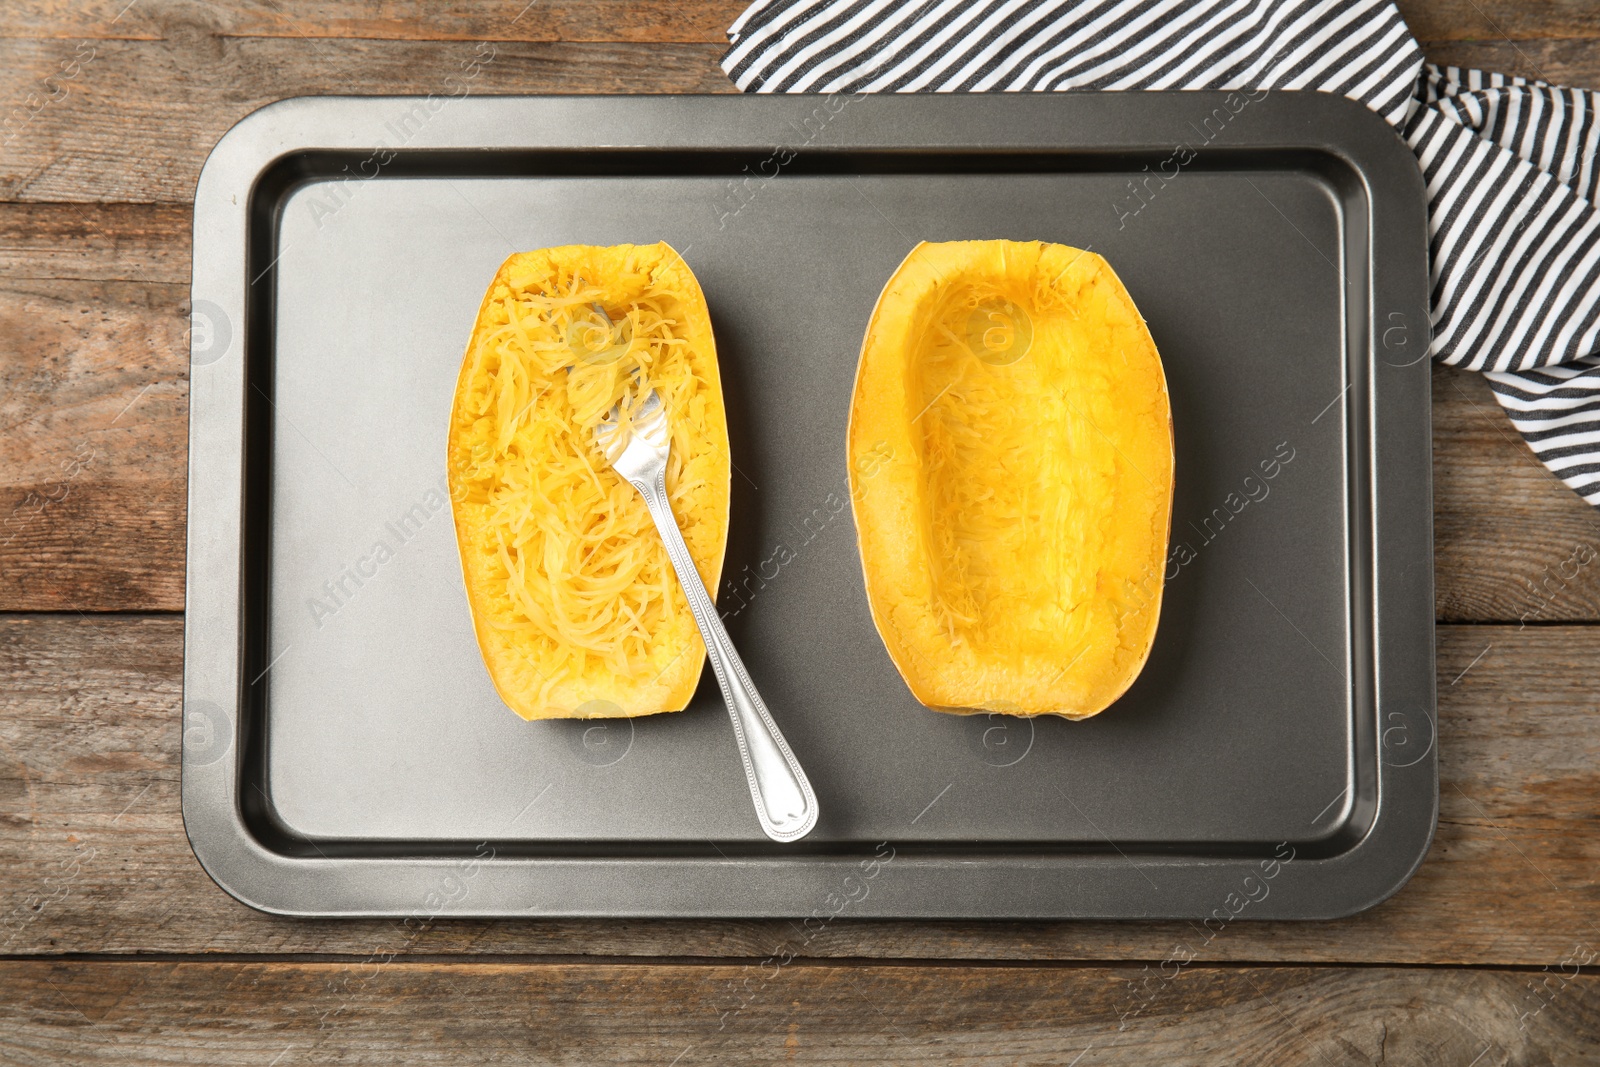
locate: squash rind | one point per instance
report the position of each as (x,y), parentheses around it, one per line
(1012,500)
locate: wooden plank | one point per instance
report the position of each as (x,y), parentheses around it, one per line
(1510,541)
(652,21)
(93,405)
(71,104)
(93,315)
(380,1012)
(619,20)
(96,242)
(1562,62)
(1499,20)
(93,433)
(71,138)
(92,841)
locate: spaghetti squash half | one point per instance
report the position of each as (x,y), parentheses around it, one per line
(1011,466)
(577,610)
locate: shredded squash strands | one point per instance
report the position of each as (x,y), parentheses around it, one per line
(577,608)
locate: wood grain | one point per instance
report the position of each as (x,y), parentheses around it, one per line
(66,104)
(545,1013)
(93,332)
(652,21)
(1507,534)
(93,436)
(65,138)
(96,242)
(1499,20)
(1574,63)
(93,405)
(625,20)
(96,859)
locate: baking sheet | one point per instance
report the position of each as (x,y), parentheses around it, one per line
(1281,269)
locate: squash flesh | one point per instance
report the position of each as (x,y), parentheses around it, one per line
(1011,470)
(575,604)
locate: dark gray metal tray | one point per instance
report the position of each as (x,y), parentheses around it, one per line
(344,751)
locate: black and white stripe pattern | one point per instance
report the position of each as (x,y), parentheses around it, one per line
(1358,49)
(1510,164)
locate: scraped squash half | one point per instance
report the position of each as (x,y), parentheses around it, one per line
(577,610)
(1011,464)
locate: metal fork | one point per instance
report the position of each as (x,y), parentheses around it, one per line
(637,448)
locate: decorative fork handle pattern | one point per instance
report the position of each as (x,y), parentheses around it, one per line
(784,801)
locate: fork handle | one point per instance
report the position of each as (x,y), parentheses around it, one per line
(784,801)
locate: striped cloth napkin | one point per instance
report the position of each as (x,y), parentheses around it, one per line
(1509,163)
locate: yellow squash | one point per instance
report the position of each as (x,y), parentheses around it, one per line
(576,607)
(1011,465)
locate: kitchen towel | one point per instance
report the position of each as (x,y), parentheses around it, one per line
(1509,163)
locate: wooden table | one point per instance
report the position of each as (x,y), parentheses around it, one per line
(116,947)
